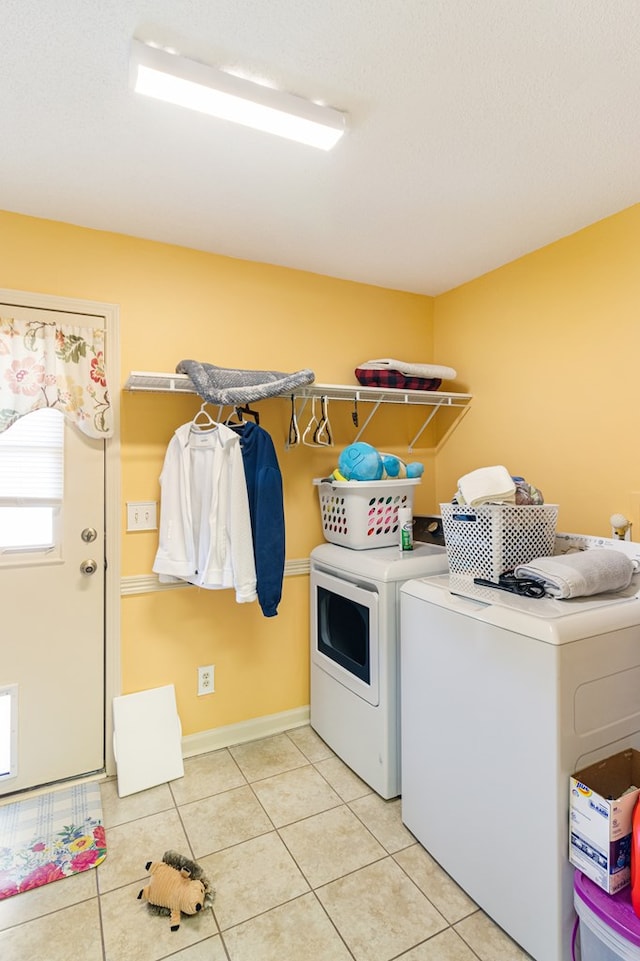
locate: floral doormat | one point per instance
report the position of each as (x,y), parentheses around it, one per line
(51,836)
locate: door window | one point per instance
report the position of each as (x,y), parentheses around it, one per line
(8,731)
(31,487)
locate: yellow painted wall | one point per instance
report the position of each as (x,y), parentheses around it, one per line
(177,303)
(550,347)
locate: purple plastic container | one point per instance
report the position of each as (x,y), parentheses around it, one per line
(613,914)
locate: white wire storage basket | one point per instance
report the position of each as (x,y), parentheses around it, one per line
(488,540)
(364,514)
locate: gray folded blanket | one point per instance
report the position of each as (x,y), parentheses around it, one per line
(593,571)
(225,385)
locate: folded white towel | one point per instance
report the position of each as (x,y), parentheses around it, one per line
(410,370)
(488,485)
(594,571)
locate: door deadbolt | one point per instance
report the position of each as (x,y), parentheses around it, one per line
(89,534)
(89,567)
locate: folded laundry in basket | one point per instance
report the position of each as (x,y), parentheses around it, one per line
(487,485)
(593,571)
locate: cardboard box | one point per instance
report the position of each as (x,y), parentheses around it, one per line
(602,799)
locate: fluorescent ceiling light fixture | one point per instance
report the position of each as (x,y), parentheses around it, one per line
(165,76)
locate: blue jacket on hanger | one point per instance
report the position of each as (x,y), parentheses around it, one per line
(266,508)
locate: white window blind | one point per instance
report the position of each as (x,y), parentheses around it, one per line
(8,732)
(32,459)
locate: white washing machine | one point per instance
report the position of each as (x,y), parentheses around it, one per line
(503,698)
(355,616)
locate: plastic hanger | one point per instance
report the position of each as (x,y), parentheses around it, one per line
(240,411)
(239,422)
(311,427)
(322,435)
(294,432)
(203,419)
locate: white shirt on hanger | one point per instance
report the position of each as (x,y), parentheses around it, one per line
(205,527)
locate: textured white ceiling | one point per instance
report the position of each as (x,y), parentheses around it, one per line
(479,130)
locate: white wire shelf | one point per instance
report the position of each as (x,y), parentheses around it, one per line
(160,383)
(387,395)
(163,383)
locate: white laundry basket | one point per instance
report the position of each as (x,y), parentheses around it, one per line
(364,514)
(487,540)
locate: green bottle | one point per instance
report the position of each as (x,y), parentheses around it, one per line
(405,520)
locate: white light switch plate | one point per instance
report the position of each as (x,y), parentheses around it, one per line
(142,516)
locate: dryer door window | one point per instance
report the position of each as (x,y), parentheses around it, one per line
(343,632)
(345,639)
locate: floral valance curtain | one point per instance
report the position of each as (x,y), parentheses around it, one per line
(48,364)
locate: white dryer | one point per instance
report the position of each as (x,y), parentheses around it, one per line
(502,698)
(354,631)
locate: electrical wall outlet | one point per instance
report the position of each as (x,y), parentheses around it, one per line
(206,680)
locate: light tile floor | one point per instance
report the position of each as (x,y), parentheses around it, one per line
(307,863)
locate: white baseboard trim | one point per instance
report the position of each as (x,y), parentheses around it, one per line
(251,730)
(147,583)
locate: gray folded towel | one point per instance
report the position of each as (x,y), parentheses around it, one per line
(225,385)
(593,571)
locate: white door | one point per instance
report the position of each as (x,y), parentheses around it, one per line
(52,640)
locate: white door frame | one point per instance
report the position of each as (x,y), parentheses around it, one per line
(111,314)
